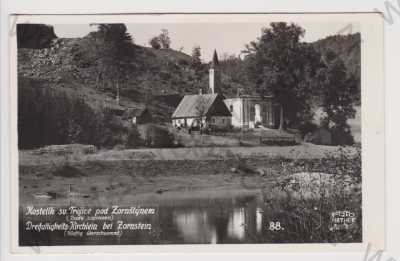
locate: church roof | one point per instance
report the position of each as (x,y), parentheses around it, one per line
(190,106)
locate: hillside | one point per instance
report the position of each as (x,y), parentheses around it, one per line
(158,78)
(347,47)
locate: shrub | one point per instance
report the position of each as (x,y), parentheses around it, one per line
(47,116)
(36,36)
(312,205)
(155,43)
(342,136)
(133,140)
(306,128)
(183,62)
(156,136)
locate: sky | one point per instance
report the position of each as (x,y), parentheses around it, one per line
(226,38)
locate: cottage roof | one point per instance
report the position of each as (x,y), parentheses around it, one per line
(135,112)
(190,104)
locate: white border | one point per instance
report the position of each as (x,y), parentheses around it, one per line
(372,129)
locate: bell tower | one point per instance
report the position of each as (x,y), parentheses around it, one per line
(215,75)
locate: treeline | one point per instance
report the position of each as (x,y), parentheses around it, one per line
(48,116)
(298,75)
(35,36)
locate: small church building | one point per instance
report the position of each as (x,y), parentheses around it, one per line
(215,110)
(251,111)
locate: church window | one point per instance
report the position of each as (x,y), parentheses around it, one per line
(252,113)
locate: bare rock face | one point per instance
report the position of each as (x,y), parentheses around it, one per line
(35,36)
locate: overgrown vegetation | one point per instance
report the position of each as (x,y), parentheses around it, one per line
(334,184)
(156,136)
(49,116)
(35,36)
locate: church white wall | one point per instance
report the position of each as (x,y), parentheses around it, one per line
(246,112)
(219,121)
(189,122)
(236,111)
(257,117)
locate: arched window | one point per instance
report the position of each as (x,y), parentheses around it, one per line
(257,112)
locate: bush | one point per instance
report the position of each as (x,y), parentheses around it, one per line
(47,116)
(183,62)
(334,185)
(133,140)
(306,128)
(118,134)
(156,136)
(155,43)
(35,36)
(342,136)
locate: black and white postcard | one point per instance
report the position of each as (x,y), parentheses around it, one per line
(201,132)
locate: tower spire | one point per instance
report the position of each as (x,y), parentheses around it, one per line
(214,74)
(214,62)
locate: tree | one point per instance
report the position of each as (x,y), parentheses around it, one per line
(338,97)
(155,42)
(196,56)
(234,67)
(201,110)
(279,64)
(197,65)
(117,53)
(164,39)
(35,36)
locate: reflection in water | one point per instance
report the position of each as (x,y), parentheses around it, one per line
(259,218)
(217,220)
(194,227)
(183,219)
(200,217)
(236,225)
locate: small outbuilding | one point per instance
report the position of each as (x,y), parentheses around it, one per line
(138,115)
